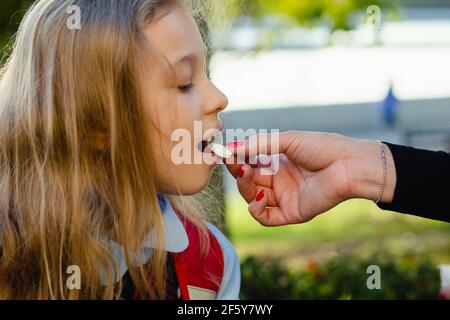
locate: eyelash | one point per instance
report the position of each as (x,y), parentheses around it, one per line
(186,88)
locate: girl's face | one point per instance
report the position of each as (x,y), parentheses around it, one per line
(181,101)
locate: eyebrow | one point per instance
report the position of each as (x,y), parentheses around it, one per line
(190,57)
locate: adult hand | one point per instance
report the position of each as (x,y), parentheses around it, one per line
(317,171)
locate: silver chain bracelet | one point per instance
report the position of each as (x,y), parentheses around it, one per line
(384,162)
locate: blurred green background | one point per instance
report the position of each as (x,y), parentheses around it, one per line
(328,257)
(11,13)
(321,66)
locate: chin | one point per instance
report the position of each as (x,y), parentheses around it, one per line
(192,190)
(199,182)
(188,184)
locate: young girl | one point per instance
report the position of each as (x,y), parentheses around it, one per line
(90,204)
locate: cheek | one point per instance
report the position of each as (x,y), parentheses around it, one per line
(180,112)
(189,105)
(178,115)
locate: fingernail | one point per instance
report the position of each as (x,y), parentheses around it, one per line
(235,144)
(241,171)
(260,195)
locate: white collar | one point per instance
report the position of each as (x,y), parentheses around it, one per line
(175,240)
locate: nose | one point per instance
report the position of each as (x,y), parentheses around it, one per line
(218,100)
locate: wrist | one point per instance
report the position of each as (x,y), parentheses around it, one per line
(366,171)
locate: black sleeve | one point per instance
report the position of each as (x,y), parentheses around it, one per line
(423,183)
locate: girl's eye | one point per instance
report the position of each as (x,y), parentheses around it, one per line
(186,88)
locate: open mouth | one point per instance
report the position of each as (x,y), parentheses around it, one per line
(206,144)
(214,146)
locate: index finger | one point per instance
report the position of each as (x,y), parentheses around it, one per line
(265,144)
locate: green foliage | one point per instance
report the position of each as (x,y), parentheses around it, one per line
(11,13)
(341,278)
(306,12)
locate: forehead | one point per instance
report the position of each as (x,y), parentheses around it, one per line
(175,34)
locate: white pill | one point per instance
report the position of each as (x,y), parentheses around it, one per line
(221,151)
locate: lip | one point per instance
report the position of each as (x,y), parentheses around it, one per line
(203,145)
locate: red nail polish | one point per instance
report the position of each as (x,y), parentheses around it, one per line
(235,144)
(260,195)
(241,171)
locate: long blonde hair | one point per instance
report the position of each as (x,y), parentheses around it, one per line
(72,163)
